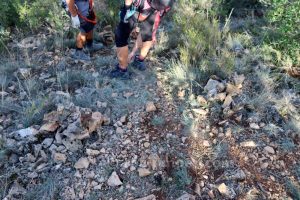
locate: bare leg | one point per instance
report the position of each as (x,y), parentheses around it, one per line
(89,35)
(122,54)
(80,40)
(145,49)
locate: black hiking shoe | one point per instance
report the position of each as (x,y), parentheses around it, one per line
(139,64)
(119,73)
(80,55)
(94,47)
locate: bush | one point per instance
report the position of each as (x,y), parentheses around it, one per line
(34,13)
(283,16)
(201,45)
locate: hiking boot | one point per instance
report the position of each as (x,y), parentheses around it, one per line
(139,64)
(119,73)
(94,47)
(80,55)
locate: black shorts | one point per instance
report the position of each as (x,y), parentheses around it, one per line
(124,29)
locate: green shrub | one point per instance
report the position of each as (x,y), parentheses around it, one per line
(108,13)
(284,36)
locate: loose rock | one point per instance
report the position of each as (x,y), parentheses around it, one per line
(144,172)
(82,163)
(114,180)
(150,107)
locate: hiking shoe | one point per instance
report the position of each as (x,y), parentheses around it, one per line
(94,47)
(139,64)
(80,55)
(119,73)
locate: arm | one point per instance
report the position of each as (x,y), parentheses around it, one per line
(128,2)
(72,8)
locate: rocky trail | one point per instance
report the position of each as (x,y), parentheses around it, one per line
(101,138)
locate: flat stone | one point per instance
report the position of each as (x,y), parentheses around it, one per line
(228,101)
(186,196)
(249,143)
(50,127)
(92,152)
(254,126)
(232,89)
(211,86)
(114,180)
(47,142)
(27,132)
(226,191)
(144,172)
(150,107)
(119,130)
(95,122)
(146,144)
(206,143)
(82,163)
(149,197)
(59,157)
(269,150)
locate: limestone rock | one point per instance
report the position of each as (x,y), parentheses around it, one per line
(82,163)
(186,196)
(211,87)
(144,172)
(47,142)
(95,122)
(149,197)
(27,132)
(226,191)
(119,130)
(250,143)
(201,100)
(92,152)
(269,150)
(254,126)
(50,127)
(150,107)
(227,102)
(114,180)
(59,157)
(232,89)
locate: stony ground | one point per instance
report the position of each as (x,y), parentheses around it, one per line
(101,138)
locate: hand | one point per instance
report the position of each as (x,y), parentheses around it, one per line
(75,22)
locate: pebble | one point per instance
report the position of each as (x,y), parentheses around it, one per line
(150,107)
(59,157)
(114,180)
(119,130)
(143,172)
(146,144)
(269,150)
(82,163)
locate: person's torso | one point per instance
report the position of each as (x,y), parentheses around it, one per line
(83,6)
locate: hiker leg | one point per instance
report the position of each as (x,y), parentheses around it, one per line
(80,40)
(146,36)
(122,35)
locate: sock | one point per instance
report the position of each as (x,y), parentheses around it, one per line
(89,42)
